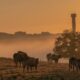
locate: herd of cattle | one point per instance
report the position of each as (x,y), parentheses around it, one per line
(21,59)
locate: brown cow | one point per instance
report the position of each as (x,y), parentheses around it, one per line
(31,63)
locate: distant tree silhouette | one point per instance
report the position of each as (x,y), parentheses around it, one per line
(20,33)
(68,44)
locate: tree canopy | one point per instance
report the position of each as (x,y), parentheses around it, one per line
(68,44)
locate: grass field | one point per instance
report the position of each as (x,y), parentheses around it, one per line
(46,71)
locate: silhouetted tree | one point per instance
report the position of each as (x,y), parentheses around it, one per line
(68,44)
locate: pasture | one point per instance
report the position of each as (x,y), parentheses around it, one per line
(46,71)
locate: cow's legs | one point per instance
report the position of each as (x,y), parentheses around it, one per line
(28,68)
(31,68)
(70,66)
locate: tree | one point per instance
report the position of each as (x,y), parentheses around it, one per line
(68,44)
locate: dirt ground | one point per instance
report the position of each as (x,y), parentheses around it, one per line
(46,71)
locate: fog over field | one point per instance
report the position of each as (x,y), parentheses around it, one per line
(33,48)
(37,45)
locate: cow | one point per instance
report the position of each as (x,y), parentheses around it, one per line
(30,64)
(19,58)
(74,63)
(55,57)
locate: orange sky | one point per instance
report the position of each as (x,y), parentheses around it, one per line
(35,16)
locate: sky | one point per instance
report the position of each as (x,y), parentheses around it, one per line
(35,16)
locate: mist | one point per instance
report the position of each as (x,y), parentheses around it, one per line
(38,48)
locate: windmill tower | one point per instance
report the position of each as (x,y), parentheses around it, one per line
(73,16)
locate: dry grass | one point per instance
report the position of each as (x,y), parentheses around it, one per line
(46,71)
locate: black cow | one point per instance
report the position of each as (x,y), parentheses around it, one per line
(74,63)
(55,57)
(31,63)
(19,58)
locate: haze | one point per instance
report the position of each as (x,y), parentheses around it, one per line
(35,16)
(32,48)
